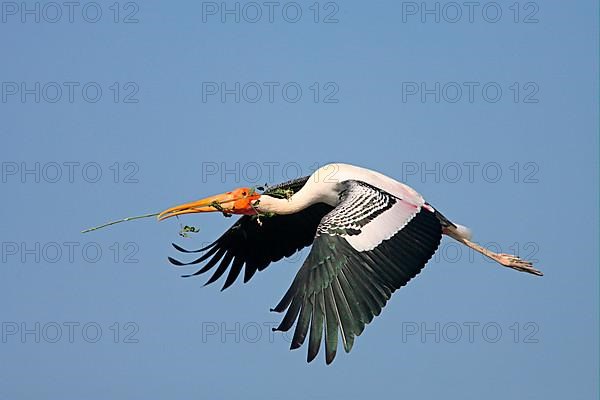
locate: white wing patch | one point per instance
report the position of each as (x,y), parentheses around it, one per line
(384,226)
(367,215)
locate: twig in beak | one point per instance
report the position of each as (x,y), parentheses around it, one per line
(119,221)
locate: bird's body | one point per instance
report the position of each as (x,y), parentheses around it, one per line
(370,235)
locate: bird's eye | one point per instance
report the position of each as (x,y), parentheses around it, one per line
(244,193)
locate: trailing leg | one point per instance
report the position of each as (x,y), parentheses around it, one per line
(463,235)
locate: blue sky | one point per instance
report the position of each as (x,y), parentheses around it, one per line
(492,117)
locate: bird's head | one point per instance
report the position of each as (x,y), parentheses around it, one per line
(238,201)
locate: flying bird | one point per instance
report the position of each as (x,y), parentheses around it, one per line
(370,235)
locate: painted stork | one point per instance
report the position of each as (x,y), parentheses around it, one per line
(370,235)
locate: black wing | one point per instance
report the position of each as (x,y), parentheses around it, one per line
(341,289)
(253,246)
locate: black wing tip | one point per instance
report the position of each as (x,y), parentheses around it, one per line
(279,308)
(182,250)
(179,248)
(329,357)
(348,347)
(194,274)
(176,262)
(295,345)
(227,285)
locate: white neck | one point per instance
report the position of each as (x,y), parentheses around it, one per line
(310,194)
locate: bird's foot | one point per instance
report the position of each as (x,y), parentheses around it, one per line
(514,262)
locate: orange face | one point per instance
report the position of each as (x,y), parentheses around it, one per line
(238,201)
